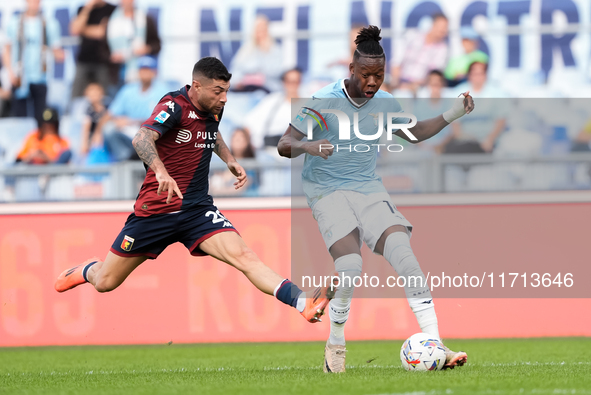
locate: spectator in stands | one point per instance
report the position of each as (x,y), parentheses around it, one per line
(267,120)
(258,62)
(478,83)
(31,39)
(435,88)
(582,143)
(93,63)
(479,133)
(423,52)
(5,93)
(45,145)
(132,106)
(131,34)
(240,144)
(222,182)
(430,104)
(340,67)
(5,96)
(92,142)
(457,68)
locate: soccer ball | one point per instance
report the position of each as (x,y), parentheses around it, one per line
(422,352)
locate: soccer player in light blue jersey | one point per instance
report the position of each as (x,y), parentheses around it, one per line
(347,198)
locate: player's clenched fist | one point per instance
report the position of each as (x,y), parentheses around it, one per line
(322,148)
(468,102)
(167,183)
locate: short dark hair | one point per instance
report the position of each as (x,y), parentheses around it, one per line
(475,63)
(439,74)
(286,72)
(211,68)
(438,15)
(368,43)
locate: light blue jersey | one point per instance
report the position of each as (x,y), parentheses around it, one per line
(353,162)
(132,102)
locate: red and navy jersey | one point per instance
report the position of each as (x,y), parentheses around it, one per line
(186,143)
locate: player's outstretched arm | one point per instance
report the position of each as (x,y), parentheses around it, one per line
(222,150)
(426,129)
(144,143)
(291,145)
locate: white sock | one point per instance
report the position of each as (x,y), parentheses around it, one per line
(398,252)
(428,320)
(301,303)
(349,267)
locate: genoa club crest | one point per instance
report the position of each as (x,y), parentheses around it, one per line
(127,243)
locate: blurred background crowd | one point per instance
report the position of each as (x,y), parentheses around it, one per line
(70,138)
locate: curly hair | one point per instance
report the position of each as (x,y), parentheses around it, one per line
(368,43)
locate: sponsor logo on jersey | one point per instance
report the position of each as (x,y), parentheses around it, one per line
(127,243)
(344,123)
(307,111)
(192,115)
(184,136)
(170,105)
(206,135)
(162,117)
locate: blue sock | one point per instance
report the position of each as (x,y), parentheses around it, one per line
(85,270)
(288,293)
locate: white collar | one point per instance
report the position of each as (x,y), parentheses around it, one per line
(353,102)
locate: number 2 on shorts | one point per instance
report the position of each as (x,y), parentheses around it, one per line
(217,216)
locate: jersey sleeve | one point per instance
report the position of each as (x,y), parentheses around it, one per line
(117,106)
(166,115)
(304,111)
(30,142)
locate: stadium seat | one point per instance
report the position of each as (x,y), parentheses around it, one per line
(12,135)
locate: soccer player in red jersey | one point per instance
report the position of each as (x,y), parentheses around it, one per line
(176,144)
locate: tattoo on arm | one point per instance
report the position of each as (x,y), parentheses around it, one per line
(144,143)
(217,147)
(221,149)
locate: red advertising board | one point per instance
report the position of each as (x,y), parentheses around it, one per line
(187,299)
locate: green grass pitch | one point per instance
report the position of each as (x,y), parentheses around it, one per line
(520,366)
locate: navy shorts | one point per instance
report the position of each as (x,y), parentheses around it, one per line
(149,236)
